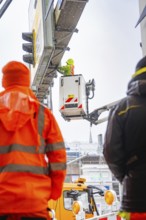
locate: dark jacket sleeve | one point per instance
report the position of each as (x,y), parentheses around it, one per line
(113,148)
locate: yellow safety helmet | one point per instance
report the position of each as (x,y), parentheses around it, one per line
(70,61)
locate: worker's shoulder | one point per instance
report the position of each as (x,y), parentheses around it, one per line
(122,101)
(124,104)
(45,109)
(127,101)
(118,105)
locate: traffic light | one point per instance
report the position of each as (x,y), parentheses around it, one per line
(30,47)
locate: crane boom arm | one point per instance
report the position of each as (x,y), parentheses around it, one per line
(94,115)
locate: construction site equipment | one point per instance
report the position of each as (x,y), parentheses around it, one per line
(78,202)
(72,97)
(75,94)
(54,28)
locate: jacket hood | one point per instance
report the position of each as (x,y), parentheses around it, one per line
(137,87)
(16,108)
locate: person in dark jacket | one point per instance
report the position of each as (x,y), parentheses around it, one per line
(125,145)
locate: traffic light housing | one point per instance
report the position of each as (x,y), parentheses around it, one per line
(30,47)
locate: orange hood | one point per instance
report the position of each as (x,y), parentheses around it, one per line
(17,106)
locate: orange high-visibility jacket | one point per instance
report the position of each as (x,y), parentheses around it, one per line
(32,153)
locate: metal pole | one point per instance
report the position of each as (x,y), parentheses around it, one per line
(4,7)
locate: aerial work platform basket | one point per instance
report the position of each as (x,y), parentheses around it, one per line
(72,91)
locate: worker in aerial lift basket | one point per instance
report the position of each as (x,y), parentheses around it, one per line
(32,150)
(68,69)
(125,145)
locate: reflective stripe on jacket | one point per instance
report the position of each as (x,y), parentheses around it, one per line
(32,153)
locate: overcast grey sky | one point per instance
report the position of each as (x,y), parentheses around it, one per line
(106,48)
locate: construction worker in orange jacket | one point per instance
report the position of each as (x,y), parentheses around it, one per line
(32,150)
(68,69)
